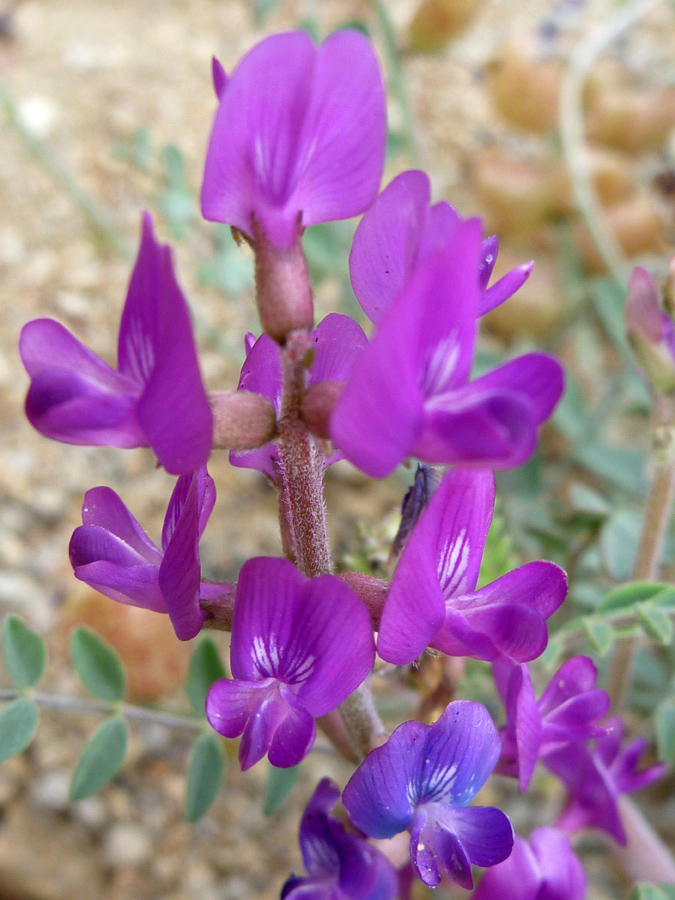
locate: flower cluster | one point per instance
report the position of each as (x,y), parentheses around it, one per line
(299,139)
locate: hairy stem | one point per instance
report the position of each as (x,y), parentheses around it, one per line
(655,525)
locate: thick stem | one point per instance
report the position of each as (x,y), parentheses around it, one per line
(655,525)
(645,857)
(300,470)
(362,721)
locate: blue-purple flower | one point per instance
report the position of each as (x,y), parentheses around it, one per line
(422,779)
(399,232)
(111,552)
(155,396)
(567,711)
(298,137)
(596,777)
(336,341)
(433,599)
(340,865)
(409,393)
(299,647)
(543,868)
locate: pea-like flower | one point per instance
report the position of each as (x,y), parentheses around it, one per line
(422,779)
(567,711)
(111,552)
(298,137)
(340,865)
(155,396)
(433,599)
(543,868)
(299,647)
(409,393)
(400,231)
(597,776)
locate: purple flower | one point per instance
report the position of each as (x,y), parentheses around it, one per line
(113,554)
(337,340)
(546,868)
(433,599)
(650,330)
(299,647)
(298,137)
(566,712)
(340,865)
(155,396)
(422,779)
(409,393)
(595,778)
(399,232)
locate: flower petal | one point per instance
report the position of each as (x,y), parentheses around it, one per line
(293,736)
(485,833)
(229,703)
(136,585)
(338,340)
(504,288)
(156,347)
(535,376)
(104,508)
(563,874)
(378,795)
(517,878)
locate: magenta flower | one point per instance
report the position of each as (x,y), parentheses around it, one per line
(299,647)
(422,779)
(399,232)
(298,137)
(433,599)
(545,868)
(111,552)
(409,394)
(340,865)
(155,396)
(337,340)
(595,778)
(566,712)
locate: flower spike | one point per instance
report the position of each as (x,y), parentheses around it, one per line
(155,396)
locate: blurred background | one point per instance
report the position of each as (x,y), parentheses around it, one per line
(105,111)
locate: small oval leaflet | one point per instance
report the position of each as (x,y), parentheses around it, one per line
(101,759)
(205,773)
(18,724)
(98,665)
(24,652)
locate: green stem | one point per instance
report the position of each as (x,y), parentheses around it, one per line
(100,707)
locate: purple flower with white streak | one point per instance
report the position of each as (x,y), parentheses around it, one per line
(155,396)
(299,647)
(409,394)
(596,778)
(400,231)
(337,340)
(566,712)
(111,552)
(543,868)
(433,599)
(340,865)
(299,136)
(422,779)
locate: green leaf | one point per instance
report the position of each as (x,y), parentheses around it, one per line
(552,653)
(280,782)
(618,543)
(600,633)
(609,300)
(655,622)
(205,773)
(664,725)
(626,596)
(18,724)
(24,651)
(102,758)
(653,892)
(262,9)
(205,668)
(98,665)
(621,466)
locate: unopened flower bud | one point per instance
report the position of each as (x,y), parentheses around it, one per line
(651,331)
(243,420)
(283,289)
(318,404)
